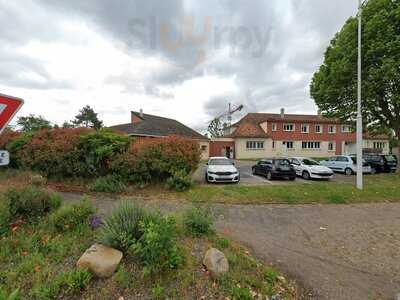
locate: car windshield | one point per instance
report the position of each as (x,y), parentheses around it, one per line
(309,162)
(220,162)
(390,158)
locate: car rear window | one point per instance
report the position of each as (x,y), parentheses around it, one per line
(390,158)
(282,162)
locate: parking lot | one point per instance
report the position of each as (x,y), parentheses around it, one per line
(247,178)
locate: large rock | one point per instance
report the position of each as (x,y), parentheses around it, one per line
(216,262)
(100,260)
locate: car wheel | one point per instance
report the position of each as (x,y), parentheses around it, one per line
(348,172)
(373,171)
(305,175)
(269,175)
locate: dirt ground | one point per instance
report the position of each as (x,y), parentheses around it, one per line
(333,251)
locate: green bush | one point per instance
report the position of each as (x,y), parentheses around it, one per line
(5,216)
(99,147)
(108,184)
(157,247)
(31,201)
(71,217)
(179,181)
(198,221)
(121,228)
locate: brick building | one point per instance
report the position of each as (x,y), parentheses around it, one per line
(259,135)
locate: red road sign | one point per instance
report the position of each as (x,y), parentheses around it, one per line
(8,108)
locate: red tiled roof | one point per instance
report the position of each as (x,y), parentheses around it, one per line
(247,130)
(258,118)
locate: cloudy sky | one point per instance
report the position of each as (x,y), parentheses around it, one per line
(181,59)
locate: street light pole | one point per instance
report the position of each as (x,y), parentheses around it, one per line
(359,112)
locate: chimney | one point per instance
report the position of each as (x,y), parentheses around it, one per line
(282,113)
(134,117)
(141,113)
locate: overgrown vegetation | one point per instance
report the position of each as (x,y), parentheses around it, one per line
(179,181)
(198,221)
(72,217)
(86,153)
(38,258)
(108,184)
(121,228)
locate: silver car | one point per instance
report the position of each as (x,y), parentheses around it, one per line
(221,169)
(345,164)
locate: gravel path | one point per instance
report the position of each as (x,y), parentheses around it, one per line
(336,252)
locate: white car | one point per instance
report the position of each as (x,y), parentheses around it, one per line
(310,169)
(221,169)
(345,164)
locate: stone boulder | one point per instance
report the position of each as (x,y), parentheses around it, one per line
(216,262)
(100,260)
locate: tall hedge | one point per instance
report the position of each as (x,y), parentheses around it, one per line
(81,152)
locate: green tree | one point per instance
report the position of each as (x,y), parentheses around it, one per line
(33,123)
(334,85)
(87,117)
(216,128)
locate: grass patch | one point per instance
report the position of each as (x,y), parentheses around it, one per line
(377,188)
(39,263)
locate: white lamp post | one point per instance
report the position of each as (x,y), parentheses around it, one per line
(359,111)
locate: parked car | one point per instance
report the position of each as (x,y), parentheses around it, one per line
(310,169)
(221,169)
(273,168)
(345,164)
(381,163)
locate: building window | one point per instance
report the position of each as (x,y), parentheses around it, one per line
(305,128)
(346,128)
(332,129)
(288,127)
(331,146)
(288,144)
(318,128)
(253,145)
(274,127)
(204,148)
(311,145)
(273,144)
(379,145)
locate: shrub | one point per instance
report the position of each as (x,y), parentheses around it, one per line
(71,217)
(14,143)
(121,228)
(108,184)
(31,201)
(54,152)
(179,181)
(99,147)
(122,277)
(198,221)
(156,159)
(157,247)
(5,216)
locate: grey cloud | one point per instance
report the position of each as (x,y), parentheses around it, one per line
(291,35)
